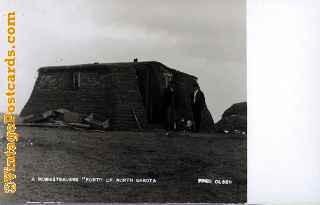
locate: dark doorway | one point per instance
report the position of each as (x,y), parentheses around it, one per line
(149,81)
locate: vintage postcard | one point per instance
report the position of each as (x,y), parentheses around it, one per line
(123,101)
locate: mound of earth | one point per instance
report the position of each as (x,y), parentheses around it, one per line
(234,119)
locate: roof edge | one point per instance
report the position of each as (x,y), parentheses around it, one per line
(97,65)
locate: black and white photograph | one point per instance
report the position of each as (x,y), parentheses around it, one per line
(123,101)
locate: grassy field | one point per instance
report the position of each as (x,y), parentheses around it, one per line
(175,160)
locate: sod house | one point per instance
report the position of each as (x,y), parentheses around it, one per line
(122,92)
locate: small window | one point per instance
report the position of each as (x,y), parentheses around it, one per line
(76,80)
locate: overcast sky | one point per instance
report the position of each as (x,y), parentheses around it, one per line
(204,38)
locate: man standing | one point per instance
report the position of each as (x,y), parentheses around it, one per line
(198,104)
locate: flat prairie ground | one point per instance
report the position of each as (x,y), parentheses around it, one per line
(175,161)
